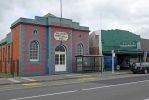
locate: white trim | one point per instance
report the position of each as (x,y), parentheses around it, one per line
(60,67)
(34,60)
(45,95)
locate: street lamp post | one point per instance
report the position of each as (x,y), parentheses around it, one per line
(61,9)
(61,12)
(113,55)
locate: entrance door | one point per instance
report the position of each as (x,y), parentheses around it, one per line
(60,59)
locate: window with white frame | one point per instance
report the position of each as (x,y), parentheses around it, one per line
(80,49)
(60,55)
(34,51)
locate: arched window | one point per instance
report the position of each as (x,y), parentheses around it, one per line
(80,49)
(60,49)
(34,51)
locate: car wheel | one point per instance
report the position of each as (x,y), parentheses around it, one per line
(145,71)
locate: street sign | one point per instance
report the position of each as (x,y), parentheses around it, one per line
(61,36)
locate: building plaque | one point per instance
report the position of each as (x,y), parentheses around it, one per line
(61,36)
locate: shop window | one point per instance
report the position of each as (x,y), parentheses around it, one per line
(80,49)
(34,51)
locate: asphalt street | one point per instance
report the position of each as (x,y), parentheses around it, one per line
(128,88)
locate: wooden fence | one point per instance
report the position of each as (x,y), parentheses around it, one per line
(10,66)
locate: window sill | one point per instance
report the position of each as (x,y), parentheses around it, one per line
(34,62)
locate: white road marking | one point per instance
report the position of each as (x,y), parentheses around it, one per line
(106,86)
(45,95)
(86,89)
(78,75)
(29,79)
(13,80)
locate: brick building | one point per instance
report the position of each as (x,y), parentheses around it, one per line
(44,45)
(5,54)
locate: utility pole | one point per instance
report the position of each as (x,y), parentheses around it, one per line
(61,8)
(113,55)
(100,44)
(61,12)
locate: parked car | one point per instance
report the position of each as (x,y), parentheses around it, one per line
(142,67)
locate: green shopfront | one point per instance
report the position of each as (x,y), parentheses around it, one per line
(126,46)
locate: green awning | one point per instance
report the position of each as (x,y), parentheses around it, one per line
(125,52)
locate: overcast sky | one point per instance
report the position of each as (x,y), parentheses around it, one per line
(131,15)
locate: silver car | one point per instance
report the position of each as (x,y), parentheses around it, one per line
(142,67)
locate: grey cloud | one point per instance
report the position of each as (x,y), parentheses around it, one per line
(131,15)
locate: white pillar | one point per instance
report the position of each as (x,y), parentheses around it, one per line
(113,55)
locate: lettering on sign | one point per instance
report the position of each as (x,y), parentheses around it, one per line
(128,44)
(61,36)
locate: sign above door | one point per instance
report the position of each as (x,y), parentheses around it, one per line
(61,36)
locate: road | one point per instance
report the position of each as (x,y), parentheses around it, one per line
(128,88)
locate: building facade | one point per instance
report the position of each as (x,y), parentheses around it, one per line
(46,45)
(145,48)
(95,43)
(6,54)
(125,44)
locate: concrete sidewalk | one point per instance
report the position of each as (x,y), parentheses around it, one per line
(104,75)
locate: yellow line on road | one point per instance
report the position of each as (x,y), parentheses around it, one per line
(87,79)
(31,84)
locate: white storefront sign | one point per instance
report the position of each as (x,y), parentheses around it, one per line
(61,36)
(128,44)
